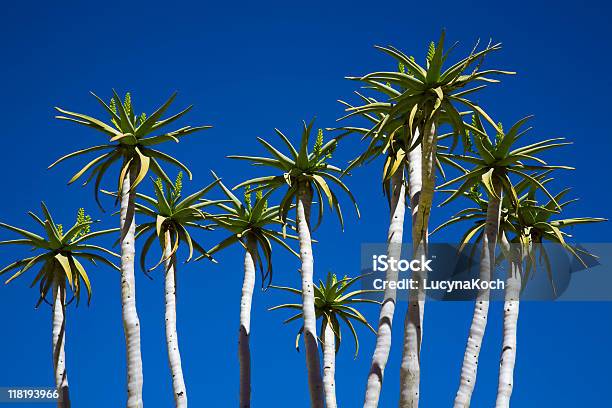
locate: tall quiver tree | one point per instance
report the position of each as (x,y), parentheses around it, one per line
(398,172)
(131,143)
(252,225)
(303,174)
(534,225)
(419,99)
(59,252)
(496,161)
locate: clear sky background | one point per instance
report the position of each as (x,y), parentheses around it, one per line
(249,68)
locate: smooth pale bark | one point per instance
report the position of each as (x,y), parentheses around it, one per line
(410,367)
(387,309)
(329,367)
(469,368)
(511,313)
(421,165)
(313,363)
(58,342)
(244,348)
(174,355)
(131,323)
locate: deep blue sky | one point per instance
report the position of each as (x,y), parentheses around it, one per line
(249,68)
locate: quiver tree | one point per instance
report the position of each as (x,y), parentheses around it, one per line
(59,254)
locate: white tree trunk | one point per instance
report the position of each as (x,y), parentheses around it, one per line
(329,367)
(410,367)
(244,348)
(131,323)
(313,363)
(421,164)
(174,355)
(511,313)
(58,342)
(481,308)
(387,309)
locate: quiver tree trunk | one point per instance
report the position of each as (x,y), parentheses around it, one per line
(329,366)
(174,355)
(387,309)
(131,323)
(469,367)
(511,313)
(58,342)
(313,363)
(421,164)
(244,348)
